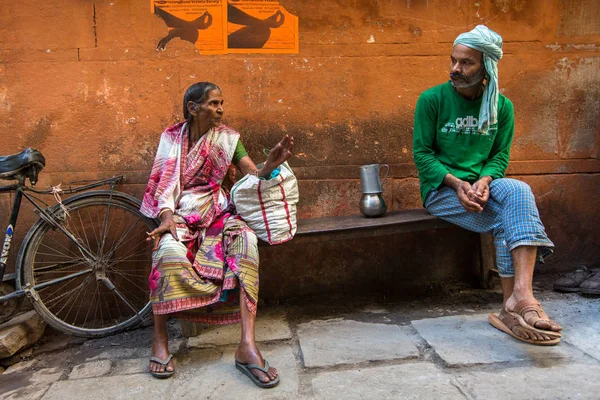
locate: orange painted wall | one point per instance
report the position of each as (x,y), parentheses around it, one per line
(82,82)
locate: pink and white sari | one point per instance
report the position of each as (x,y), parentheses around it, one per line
(195,277)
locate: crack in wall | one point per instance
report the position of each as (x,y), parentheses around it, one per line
(95,31)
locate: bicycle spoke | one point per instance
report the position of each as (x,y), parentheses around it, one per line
(92,224)
(143,288)
(91,301)
(117,232)
(74,301)
(124,243)
(99,304)
(60,244)
(144,276)
(75,233)
(56,266)
(122,259)
(123,236)
(83,230)
(108,309)
(117,305)
(110,285)
(136,298)
(53,299)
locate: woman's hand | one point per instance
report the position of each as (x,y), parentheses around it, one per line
(278,154)
(166,225)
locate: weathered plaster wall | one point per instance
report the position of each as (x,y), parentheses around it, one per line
(81,81)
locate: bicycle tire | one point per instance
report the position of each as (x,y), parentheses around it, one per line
(48,252)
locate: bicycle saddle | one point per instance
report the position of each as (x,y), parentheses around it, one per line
(26,164)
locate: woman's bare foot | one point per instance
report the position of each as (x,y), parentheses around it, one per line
(247,353)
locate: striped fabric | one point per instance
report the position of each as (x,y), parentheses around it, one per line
(197,277)
(510,214)
(190,281)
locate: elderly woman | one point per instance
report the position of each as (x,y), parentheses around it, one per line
(205,260)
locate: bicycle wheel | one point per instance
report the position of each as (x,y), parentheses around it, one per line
(90,278)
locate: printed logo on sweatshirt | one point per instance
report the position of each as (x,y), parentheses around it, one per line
(467,126)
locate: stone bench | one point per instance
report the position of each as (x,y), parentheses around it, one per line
(402,221)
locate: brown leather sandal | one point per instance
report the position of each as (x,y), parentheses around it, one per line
(525,306)
(507,322)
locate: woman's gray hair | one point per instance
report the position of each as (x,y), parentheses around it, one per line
(197,94)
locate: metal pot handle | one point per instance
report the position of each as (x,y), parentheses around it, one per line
(386,174)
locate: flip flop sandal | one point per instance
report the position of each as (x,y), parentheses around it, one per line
(508,322)
(525,306)
(165,374)
(246,369)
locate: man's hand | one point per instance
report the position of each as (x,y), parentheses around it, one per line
(466,196)
(166,225)
(481,190)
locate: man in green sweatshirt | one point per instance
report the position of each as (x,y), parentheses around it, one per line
(462,135)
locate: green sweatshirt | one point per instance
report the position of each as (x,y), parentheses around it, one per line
(446,140)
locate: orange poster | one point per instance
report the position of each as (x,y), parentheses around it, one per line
(229,26)
(201,22)
(260,26)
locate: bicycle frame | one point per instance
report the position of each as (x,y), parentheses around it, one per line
(21,191)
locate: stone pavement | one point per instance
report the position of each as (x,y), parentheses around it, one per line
(370,352)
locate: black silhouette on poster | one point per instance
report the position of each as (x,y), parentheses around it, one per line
(184,30)
(256,31)
(237,26)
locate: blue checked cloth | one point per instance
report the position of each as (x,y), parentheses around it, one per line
(510,215)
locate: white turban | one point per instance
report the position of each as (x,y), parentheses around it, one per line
(489,43)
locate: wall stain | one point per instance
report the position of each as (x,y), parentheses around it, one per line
(39,133)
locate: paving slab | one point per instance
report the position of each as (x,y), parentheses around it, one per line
(580,320)
(132,366)
(91,369)
(562,381)
(406,381)
(334,342)
(213,371)
(126,387)
(469,339)
(269,327)
(21,366)
(29,385)
(204,373)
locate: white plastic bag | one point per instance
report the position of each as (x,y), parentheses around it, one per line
(268,206)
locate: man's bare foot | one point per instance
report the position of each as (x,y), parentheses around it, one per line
(248,353)
(531,312)
(160,350)
(522,332)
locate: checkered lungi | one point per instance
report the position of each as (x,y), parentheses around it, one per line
(510,215)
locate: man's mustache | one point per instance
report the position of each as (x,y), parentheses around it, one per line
(457,75)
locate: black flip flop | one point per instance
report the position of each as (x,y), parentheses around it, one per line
(246,369)
(165,374)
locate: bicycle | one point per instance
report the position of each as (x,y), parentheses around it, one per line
(84,264)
